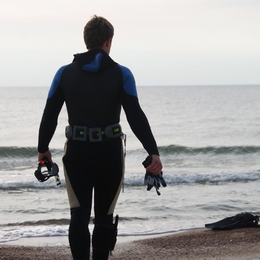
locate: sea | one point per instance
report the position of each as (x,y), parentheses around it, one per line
(209,143)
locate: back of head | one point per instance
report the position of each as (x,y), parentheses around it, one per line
(97,31)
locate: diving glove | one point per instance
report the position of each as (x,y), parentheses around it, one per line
(152,180)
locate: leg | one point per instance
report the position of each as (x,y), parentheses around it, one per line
(79,184)
(103,235)
(106,191)
(79,236)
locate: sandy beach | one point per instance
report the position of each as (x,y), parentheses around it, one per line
(195,244)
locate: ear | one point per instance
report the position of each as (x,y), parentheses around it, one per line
(107,45)
(108,42)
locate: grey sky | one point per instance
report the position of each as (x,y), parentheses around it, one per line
(163,42)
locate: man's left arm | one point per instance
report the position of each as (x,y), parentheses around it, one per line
(138,120)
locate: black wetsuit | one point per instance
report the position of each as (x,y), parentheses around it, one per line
(94,88)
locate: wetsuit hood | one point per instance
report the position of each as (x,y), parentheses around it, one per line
(94,60)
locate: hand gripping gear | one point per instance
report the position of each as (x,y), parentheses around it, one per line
(152,180)
(45,170)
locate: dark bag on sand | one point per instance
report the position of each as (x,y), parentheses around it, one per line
(241,220)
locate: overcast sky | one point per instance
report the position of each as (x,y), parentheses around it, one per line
(163,42)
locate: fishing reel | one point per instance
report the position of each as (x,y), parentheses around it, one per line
(45,170)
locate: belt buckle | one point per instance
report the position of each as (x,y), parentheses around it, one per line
(95,134)
(112,131)
(79,133)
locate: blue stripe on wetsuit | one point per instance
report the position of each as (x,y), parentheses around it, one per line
(94,65)
(129,81)
(56,81)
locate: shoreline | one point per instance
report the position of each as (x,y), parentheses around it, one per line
(197,244)
(63,240)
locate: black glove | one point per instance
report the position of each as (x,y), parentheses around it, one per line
(152,180)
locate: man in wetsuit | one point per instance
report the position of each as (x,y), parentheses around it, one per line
(94,87)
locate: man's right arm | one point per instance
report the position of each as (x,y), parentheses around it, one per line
(50,115)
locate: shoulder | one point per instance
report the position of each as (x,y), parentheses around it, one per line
(125,71)
(128,80)
(56,81)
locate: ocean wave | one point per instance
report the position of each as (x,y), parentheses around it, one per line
(59,227)
(15,155)
(183,165)
(208,150)
(16,152)
(45,228)
(172,178)
(61,221)
(213,178)
(46,222)
(31,152)
(177,178)
(12,187)
(22,152)
(15,232)
(19,152)
(20,158)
